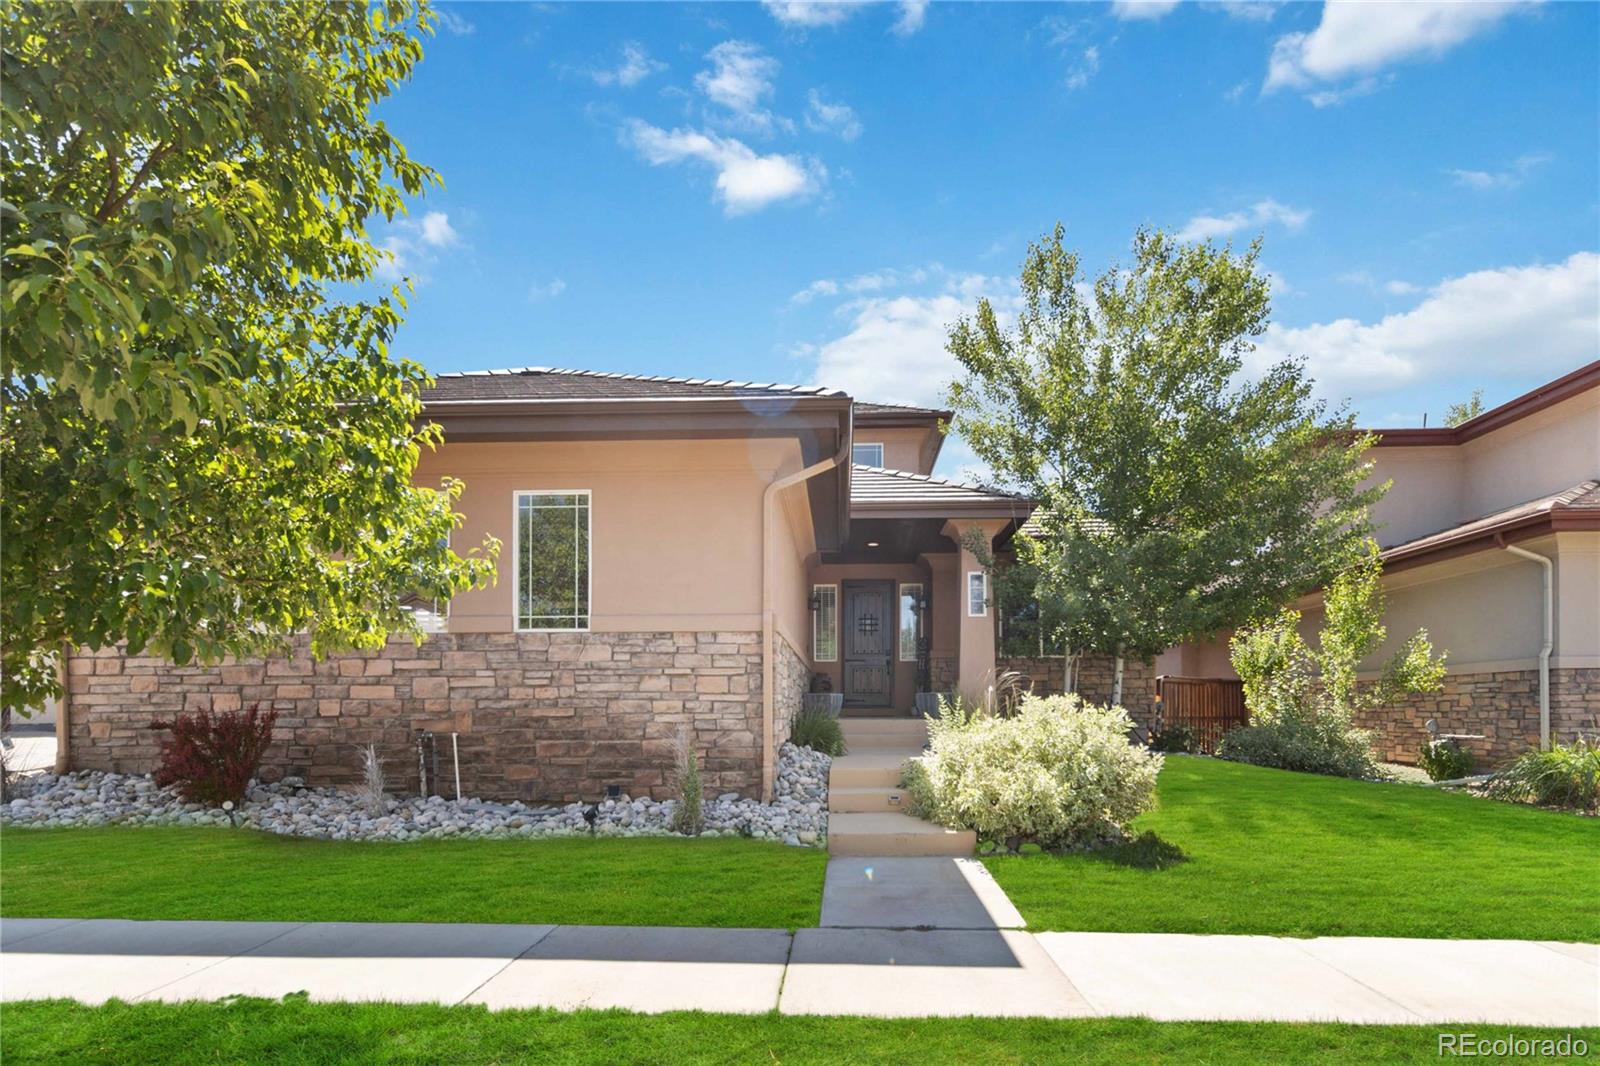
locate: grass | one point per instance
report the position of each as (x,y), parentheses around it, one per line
(221,874)
(296,1031)
(1241,849)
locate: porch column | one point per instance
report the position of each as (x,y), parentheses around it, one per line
(975,660)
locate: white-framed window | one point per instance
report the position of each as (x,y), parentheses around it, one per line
(977,593)
(825,624)
(550,548)
(910,621)
(867,455)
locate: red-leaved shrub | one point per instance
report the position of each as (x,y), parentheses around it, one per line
(211,758)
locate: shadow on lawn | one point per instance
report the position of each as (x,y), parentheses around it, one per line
(1147,851)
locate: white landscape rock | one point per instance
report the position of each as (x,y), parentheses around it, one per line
(798,814)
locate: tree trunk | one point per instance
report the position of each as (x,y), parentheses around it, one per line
(1116,680)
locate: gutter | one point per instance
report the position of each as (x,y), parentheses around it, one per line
(768,633)
(1549,636)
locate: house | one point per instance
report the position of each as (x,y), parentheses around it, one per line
(677,554)
(1491,541)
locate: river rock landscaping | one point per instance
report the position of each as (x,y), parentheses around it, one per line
(798,815)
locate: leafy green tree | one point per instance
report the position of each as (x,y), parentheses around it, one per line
(1179,496)
(1313,693)
(206,444)
(1458,413)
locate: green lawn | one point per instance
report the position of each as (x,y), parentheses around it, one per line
(1267,851)
(248,876)
(294,1031)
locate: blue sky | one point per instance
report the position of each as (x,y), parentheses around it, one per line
(810,193)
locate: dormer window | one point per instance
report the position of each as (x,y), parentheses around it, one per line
(867,455)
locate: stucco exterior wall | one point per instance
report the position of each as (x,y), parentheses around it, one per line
(904,448)
(1545,452)
(676,525)
(1436,487)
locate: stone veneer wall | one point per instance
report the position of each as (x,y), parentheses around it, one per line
(792,677)
(541,716)
(1095,675)
(1503,706)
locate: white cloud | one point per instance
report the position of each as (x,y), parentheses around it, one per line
(635,66)
(412,244)
(912,15)
(1260,215)
(546,291)
(746,181)
(1509,178)
(876,281)
(1400,288)
(824,117)
(1358,39)
(1236,93)
(1250,10)
(809,14)
(1087,66)
(1530,320)
(436,231)
(893,349)
(452,22)
(740,80)
(1133,10)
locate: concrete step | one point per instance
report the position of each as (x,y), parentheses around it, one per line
(913,731)
(867,800)
(894,835)
(867,769)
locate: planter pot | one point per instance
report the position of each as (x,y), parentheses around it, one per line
(927,704)
(829,703)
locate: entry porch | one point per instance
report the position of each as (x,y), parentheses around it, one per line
(904,607)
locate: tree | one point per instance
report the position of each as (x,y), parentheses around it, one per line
(1178,496)
(205,449)
(1310,696)
(1458,413)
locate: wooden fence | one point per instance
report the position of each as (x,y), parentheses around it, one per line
(1207,706)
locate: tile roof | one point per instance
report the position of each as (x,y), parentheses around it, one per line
(875,485)
(1583,499)
(552,383)
(888,410)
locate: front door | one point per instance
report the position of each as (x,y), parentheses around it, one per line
(868,638)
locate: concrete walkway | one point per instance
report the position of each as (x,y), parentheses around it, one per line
(830,970)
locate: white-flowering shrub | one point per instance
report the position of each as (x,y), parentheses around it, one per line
(1059,772)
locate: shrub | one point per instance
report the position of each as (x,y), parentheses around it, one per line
(1058,772)
(212,758)
(373,783)
(1308,747)
(817,730)
(1179,738)
(1444,760)
(687,817)
(1565,776)
(1303,700)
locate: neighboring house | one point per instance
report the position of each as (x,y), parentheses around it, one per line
(677,554)
(1472,516)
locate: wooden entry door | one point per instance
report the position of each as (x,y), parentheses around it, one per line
(868,617)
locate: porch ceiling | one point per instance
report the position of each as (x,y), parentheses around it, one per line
(898,540)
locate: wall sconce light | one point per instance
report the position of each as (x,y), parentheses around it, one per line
(872,544)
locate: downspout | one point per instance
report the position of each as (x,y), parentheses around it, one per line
(768,634)
(1549,636)
(63,713)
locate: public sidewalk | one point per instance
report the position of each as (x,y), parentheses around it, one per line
(829,970)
